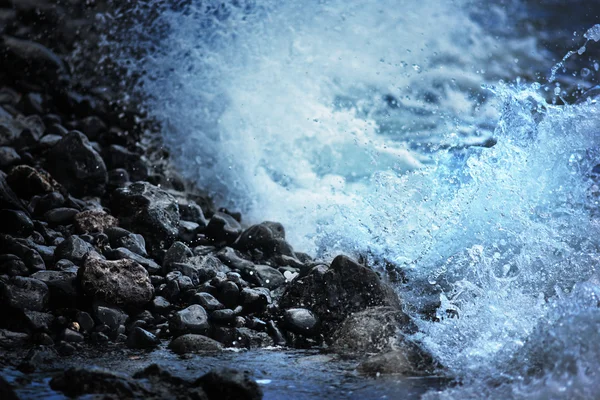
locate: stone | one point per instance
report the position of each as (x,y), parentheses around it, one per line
(223,228)
(65,349)
(30,257)
(373,330)
(301,321)
(132,242)
(255,300)
(62,286)
(8,157)
(69,335)
(229,384)
(241,337)
(118,178)
(268,277)
(47,202)
(233,259)
(6,390)
(200,268)
(85,321)
(8,198)
(408,360)
(188,231)
(61,215)
(121,283)
(92,221)
(334,293)
(73,249)
(10,340)
(113,318)
(190,211)
(15,222)
(191,343)
(119,157)
(265,236)
(141,339)
(192,319)
(92,127)
(150,211)
(76,382)
(228,293)
(207,301)
(177,253)
(224,316)
(38,321)
(123,253)
(29,60)
(161,305)
(24,293)
(27,181)
(12,265)
(76,165)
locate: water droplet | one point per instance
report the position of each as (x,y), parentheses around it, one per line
(585,72)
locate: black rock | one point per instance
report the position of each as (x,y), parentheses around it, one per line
(177,253)
(188,231)
(76,382)
(92,127)
(73,249)
(28,60)
(190,320)
(223,228)
(334,293)
(118,178)
(15,222)
(12,265)
(201,268)
(119,157)
(62,286)
(161,305)
(27,181)
(301,321)
(85,321)
(93,221)
(408,360)
(76,165)
(229,384)
(132,242)
(21,248)
(122,283)
(192,343)
(255,300)
(47,202)
(265,236)
(6,390)
(224,316)
(150,211)
(69,335)
(228,293)
(190,211)
(38,321)
(24,293)
(61,215)
(268,277)
(10,340)
(233,259)
(207,301)
(8,157)
(123,253)
(8,198)
(113,318)
(142,339)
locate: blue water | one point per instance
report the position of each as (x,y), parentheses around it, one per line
(359,124)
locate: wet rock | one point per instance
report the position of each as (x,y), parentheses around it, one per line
(372,331)
(8,198)
(85,321)
(192,319)
(6,390)
(25,59)
(76,165)
(93,221)
(27,181)
(118,178)
(92,127)
(61,215)
(15,222)
(71,336)
(75,382)
(233,259)
(255,300)
(177,253)
(266,237)
(229,384)
(47,202)
(408,360)
(123,253)
(188,231)
(30,257)
(141,339)
(73,249)
(268,277)
(241,337)
(121,238)
(224,316)
(12,265)
(65,349)
(24,293)
(207,301)
(191,343)
(146,209)
(161,305)
(10,340)
(334,293)
(200,268)
(119,157)
(228,293)
(8,157)
(112,318)
(62,286)
(190,211)
(122,283)
(37,321)
(301,321)
(223,228)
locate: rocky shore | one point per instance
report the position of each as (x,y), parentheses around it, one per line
(103,246)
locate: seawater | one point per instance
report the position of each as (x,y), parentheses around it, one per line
(365,127)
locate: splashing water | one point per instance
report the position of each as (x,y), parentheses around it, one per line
(358,126)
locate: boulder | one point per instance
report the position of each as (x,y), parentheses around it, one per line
(150,211)
(76,165)
(92,221)
(223,227)
(76,382)
(229,384)
(192,343)
(142,339)
(407,360)
(122,283)
(73,249)
(301,321)
(192,319)
(24,293)
(29,60)
(15,222)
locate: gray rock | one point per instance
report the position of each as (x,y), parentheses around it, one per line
(161,305)
(223,227)
(76,165)
(177,253)
(69,335)
(268,277)
(190,320)
(144,208)
(85,321)
(112,317)
(73,249)
(301,321)
(132,242)
(229,384)
(62,286)
(190,211)
(76,382)
(119,157)
(255,300)
(8,157)
(200,268)
(241,337)
(122,283)
(408,360)
(123,253)
(24,293)
(188,230)
(92,221)
(141,339)
(8,198)
(10,340)
(233,259)
(191,343)
(15,222)
(207,301)
(30,257)
(30,60)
